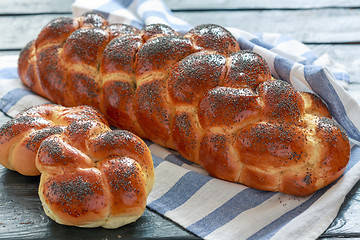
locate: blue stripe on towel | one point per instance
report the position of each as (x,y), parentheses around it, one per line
(112,6)
(342,76)
(310,57)
(354,157)
(283,38)
(156,160)
(182,190)
(244,200)
(137,24)
(160,4)
(178,160)
(272,228)
(152,13)
(283,68)
(12,97)
(245,44)
(319,82)
(262,43)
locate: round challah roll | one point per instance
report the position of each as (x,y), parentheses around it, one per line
(199,94)
(90,175)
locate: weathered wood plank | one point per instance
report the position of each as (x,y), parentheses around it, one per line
(9,7)
(336,24)
(17,31)
(44,6)
(40,6)
(9,52)
(346,224)
(22,217)
(310,26)
(258,4)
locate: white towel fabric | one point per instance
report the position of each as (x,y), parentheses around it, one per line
(206,206)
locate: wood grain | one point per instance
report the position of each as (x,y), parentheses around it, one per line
(328,27)
(17,31)
(297,24)
(18,7)
(29,26)
(186,5)
(308,26)
(22,217)
(346,224)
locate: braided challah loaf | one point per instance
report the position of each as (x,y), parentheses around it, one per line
(199,94)
(90,175)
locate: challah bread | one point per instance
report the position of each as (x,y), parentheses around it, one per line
(217,105)
(90,175)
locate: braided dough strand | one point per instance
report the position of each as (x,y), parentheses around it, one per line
(90,175)
(217,105)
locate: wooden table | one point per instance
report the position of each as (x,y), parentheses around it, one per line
(328,27)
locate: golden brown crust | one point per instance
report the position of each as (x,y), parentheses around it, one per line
(214,38)
(218,156)
(193,76)
(11,138)
(314,105)
(199,94)
(187,133)
(90,175)
(229,107)
(57,31)
(157,30)
(125,180)
(153,113)
(282,103)
(160,54)
(76,198)
(246,70)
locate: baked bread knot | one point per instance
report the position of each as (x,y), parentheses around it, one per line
(90,175)
(198,93)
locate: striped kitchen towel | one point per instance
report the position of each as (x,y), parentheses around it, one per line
(209,207)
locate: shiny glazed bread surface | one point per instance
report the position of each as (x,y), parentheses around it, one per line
(90,175)
(217,105)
